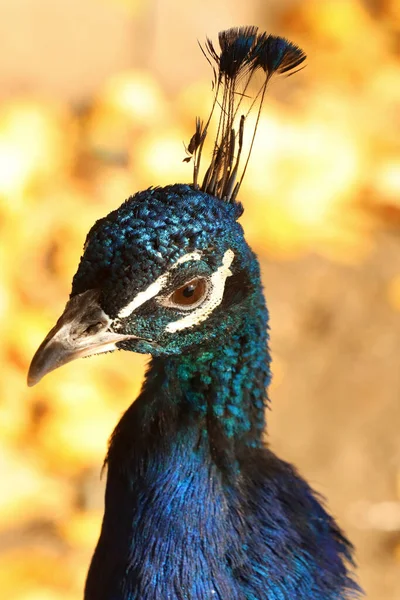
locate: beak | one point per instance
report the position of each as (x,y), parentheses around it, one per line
(82,330)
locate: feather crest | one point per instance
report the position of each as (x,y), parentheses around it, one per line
(278,55)
(243,52)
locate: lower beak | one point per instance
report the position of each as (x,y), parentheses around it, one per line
(82,330)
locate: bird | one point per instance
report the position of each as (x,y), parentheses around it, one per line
(197,505)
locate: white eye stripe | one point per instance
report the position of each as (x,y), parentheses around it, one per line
(186,257)
(142,297)
(155,287)
(217,279)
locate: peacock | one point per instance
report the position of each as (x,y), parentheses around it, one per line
(197,506)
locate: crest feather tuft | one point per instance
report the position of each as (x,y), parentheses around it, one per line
(243,52)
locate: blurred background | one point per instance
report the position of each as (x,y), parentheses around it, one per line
(96,99)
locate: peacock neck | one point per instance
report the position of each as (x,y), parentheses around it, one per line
(222,387)
(194,507)
(175,461)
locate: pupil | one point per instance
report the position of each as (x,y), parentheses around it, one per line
(189,290)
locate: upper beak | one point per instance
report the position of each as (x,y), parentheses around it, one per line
(82,330)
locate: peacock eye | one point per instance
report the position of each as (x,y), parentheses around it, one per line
(190,294)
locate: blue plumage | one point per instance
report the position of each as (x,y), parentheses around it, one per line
(197,506)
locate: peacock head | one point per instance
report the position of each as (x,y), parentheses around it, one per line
(166,272)
(170,270)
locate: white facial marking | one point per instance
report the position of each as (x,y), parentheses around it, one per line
(155,287)
(186,257)
(214,299)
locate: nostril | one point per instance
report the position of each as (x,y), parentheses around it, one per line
(94,328)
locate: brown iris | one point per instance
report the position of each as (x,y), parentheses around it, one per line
(191,293)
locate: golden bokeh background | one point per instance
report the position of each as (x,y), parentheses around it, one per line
(96,98)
